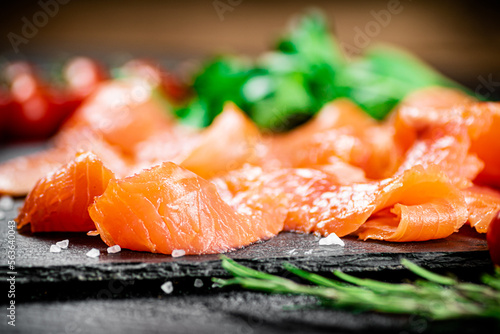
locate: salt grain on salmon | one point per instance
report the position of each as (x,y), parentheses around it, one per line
(178,252)
(331,239)
(114,249)
(94,253)
(167,287)
(55,249)
(63,244)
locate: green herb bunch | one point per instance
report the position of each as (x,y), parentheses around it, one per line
(435,296)
(306,69)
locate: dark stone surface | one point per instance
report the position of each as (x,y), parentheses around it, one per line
(223,312)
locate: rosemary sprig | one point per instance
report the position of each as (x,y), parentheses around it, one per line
(434,296)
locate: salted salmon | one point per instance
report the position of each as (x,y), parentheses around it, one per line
(483,204)
(445,114)
(60,200)
(19,175)
(447,147)
(340,130)
(229,143)
(111,122)
(487,145)
(123,112)
(168,207)
(319,203)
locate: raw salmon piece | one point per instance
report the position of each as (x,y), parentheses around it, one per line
(60,200)
(453,114)
(483,204)
(440,107)
(110,123)
(487,146)
(168,207)
(123,112)
(447,147)
(227,144)
(318,204)
(339,130)
(342,171)
(19,175)
(173,145)
(417,206)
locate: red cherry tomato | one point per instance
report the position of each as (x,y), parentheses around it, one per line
(33,113)
(493,239)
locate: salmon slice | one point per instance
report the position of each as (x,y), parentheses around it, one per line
(319,203)
(19,175)
(447,147)
(440,126)
(339,130)
(483,204)
(110,124)
(173,145)
(60,200)
(124,113)
(487,146)
(169,207)
(227,144)
(422,205)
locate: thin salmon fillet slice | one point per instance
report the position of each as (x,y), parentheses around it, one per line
(423,205)
(227,144)
(19,175)
(169,207)
(123,112)
(447,147)
(487,146)
(317,204)
(340,130)
(59,201)
(110,123)
(428,120)
(483,204)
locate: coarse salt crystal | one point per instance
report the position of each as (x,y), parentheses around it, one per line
(167,287)
(63,243)
(114,249)
(178,252)
(6,203)
(198,283)
(331,239)
(55,249)
(94,252)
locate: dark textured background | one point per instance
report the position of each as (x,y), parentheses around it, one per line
(458,37)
